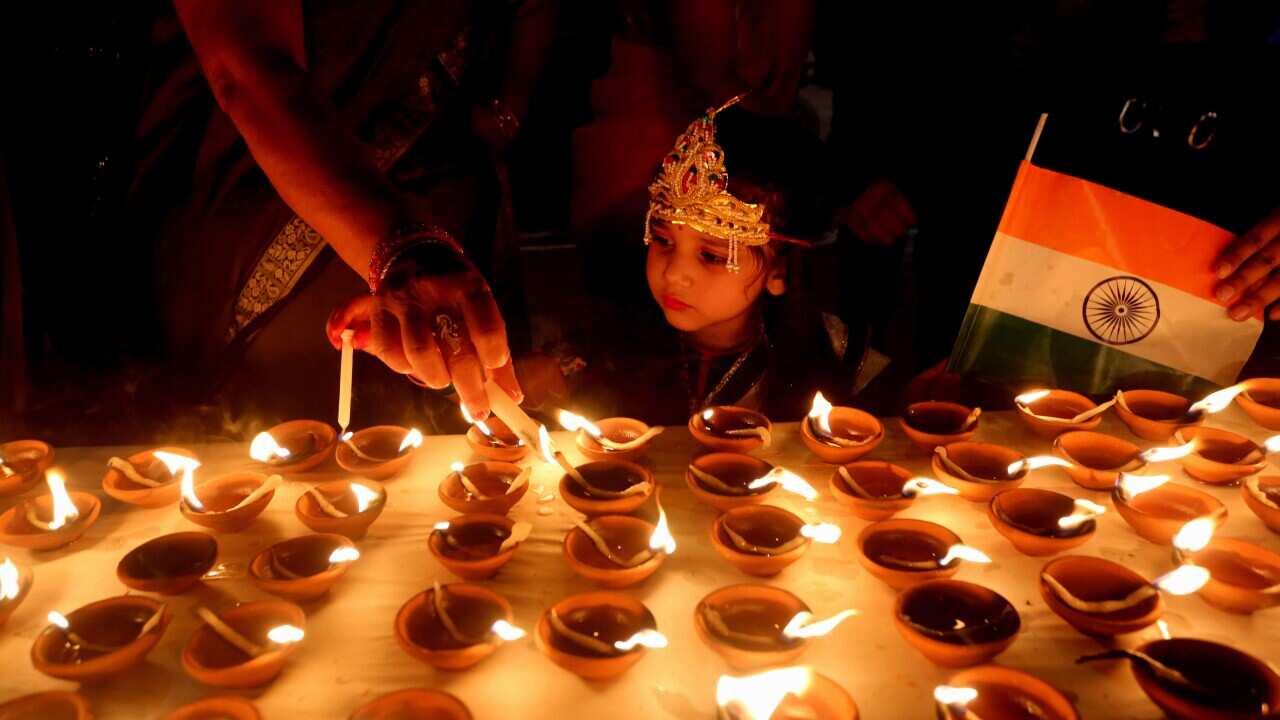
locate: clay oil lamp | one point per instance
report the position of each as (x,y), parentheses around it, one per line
(875,490)
(303,568)
(23,464)
(1241,577)
(341,507)
(100,639)
(955,623)
(295,446)
(606,487)
(753,626)
(839,434)
(933,423)
(15,583)
(1101,598)
(597,635)
(1154,414)
(227,504)
(493,439)
(991,692)
(904,553)
(1049,413)
(1219,457)
(723,480)
(1260,400)
(170,564)
(1094,460)
(794,693)
(979,470)
(413,703)
(1157,509)
(1262,496)
(1201,680)
(727,428)
(1042,522)
(61,704)
(243,647)
(485,487)
(49,521)
(222,707)
(143,479)
(617,551)
(379,452)
(762,540)
(455,626)
(474,547)
(617,438)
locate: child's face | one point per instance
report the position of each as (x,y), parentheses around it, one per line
(689,280)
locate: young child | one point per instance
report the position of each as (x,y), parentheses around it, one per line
(726,273)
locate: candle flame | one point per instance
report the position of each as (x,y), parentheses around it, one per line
(412,440)
(1216,401)
(285,634)
(1184,580)
(441,526)
(8,580)
(963,552)
(1272,444)
(646,637)
(346,436)
(506,631)
(789,482)
(1195,535)
(661,540)
(824,533)
(573,423)
(1035,463)
(1085,510)
(364,496)
(801,624)
(1027,398)
(343,555)
(264,448)
(948,695)
(820,413)
(1162,454)
(1163,627)
(58,619)
(546,446)
(457,467)
(756,697)
(187,466)
(920,486)
(63,509)
(1131,486)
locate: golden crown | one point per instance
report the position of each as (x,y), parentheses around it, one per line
(691,189)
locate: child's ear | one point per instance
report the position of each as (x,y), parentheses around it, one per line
(776,283)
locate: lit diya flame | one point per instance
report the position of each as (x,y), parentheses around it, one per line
(181,464)
(364,496)
(573,423)
(1272,444)
(957,698)
(1164,454)
(1163,627)
(661,540)
(1029,398)
(555,457)
(756,697)
(824,533)
(802,624)
(442,526)
(1131,486)
(265,449)
(648,638)
(64,510)
(5,470)
(285,634)
(1086,510)
(820,414)
(963,552)
(58,620)
(1184,580)
(788,480)
(1195,535)
(484,428)
(921,486)
(412,440)
(1035,463)
(9,586)
(506,631)
(1216,402)
(343,555)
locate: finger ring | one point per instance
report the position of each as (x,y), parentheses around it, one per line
(448,331)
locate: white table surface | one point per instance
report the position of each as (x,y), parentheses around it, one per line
(350,655)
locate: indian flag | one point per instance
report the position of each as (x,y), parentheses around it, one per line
(1092,289)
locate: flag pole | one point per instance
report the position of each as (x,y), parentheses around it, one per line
(1035,137)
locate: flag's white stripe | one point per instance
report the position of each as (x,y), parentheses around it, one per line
(1048,287)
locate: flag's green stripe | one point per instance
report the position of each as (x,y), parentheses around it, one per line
(1008,350)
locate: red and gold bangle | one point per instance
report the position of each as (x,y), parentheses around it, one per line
(403,237)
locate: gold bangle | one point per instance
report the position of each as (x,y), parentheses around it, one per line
(402,238)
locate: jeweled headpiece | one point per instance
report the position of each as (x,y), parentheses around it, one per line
(691,189)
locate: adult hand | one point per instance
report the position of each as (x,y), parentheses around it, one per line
(1247,267)
(434,319)
(881,215)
